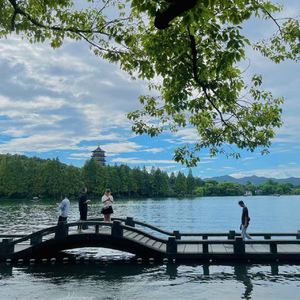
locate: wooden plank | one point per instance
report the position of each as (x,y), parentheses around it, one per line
(132,235)
(218,248)
(144,240)
(105,230)
(261,248)
(138,237)
(191,248)
(200,248)
(228,248)
(126,232)
(20,247)
(286,248)
(283,248)
(150,242)
(298,247)
(180,248)
(163,247)
(157,244)
(250,249)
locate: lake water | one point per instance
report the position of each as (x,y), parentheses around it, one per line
(119,278)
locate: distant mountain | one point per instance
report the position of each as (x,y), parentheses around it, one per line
(254,180)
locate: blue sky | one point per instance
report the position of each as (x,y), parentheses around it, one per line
(65,102)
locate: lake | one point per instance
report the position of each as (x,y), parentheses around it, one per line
(119,278)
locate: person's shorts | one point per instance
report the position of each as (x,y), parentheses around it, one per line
(107,210)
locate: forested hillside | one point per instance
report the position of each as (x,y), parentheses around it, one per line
(22,177)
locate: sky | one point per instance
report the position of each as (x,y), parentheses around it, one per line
(63,103)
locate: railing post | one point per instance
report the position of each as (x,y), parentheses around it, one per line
(7,248)
(36,239)
(231,235)
(177,235)
(97,228)
(117,229)
(273,248)
(61,231)
(204,237)
(130,222)
(298,235)
(267,236)
(239,246)
(205,248)
(171,245)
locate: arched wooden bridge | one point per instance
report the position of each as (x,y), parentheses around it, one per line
(147,241)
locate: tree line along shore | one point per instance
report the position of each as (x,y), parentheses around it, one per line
(23,177)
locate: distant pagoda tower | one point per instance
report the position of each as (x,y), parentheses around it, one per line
(99,155)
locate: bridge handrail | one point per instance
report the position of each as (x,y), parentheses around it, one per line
(51,230)
(226,241)
(41,232)
(205,235)
(238,233)
(191,234)
(212,234)
(137,222)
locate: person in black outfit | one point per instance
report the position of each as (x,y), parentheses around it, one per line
(244,221)
(83,207)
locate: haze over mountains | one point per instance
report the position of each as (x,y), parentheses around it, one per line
(254,180)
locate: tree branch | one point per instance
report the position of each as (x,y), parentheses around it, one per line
(204,86)
(19,11)
(270,15)
(201,83)
(97,46)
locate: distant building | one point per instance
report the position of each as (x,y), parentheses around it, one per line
(248,193)
(99,155)
(258,192)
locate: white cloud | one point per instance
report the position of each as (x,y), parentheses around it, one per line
(125,147)
(154,150)
(38,143)
(66,95)
(187,135)
(80,156)
(135,160)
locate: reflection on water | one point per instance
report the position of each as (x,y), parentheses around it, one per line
(118,277)
(241,273)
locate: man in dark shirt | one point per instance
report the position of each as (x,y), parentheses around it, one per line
(83,207)
(244,221)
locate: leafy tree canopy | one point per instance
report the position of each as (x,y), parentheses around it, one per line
(191,55)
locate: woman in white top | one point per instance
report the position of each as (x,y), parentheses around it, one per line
(107,201)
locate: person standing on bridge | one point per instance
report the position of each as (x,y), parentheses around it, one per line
(107,201)
(83,207)
(244,221)
(64,208)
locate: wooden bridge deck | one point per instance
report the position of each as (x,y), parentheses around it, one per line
(145,240)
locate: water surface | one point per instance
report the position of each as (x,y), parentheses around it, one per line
(118,278)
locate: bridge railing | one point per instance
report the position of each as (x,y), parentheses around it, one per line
(36,237)
(231,234)
(130,221)
(239,245)
(172,241)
